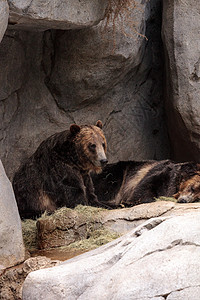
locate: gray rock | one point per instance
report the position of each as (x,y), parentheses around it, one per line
(29,114)
(180,32)
(187,293)
(60,77)
(11,243)
(156,260)
(13,66)
(126,219)
(88,63)
(43,15)
(4,13)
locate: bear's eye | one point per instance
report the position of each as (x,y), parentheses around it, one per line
(104,146)
(92,147)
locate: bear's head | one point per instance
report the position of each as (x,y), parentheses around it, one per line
(91,146)
(189,190)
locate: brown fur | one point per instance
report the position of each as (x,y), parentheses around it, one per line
(129,183)
(45,203)
(135,180)
(58,173)
(89,160)
(189,190)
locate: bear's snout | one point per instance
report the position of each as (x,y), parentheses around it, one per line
(185,197)
(103,162)
(182,200)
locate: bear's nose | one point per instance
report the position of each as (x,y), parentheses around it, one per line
(103,162)
(182,200)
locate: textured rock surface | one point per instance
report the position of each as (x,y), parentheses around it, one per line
(11,243)
(57,78)
(12,279)
(67,226)
(4,12)
(124,220)
(180,35)
(13,63)
(43,15)
(61,228)
(89,63)
(157,260)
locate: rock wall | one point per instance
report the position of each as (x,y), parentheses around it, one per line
(52,78)
(61,63)
(180,32)
(47,14)
(4,11)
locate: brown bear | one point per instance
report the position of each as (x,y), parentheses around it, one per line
(189,190)
(58,173)
(128,183)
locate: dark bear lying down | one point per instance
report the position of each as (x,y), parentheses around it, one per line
(128,183)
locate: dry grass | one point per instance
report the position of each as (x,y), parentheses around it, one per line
(61,214)
(29,232)
(162,198)
(95,237)
(89,211)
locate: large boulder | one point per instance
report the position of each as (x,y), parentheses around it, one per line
(12,250)
(88,63)
(158,259)
(43,15)
(112,73)
(180,32)
(4,12)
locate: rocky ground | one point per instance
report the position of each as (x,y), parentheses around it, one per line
(72,232)
(158,259)
(11,279)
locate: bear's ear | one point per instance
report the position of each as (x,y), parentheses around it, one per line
(99,124)
(74,129)
(176,195)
